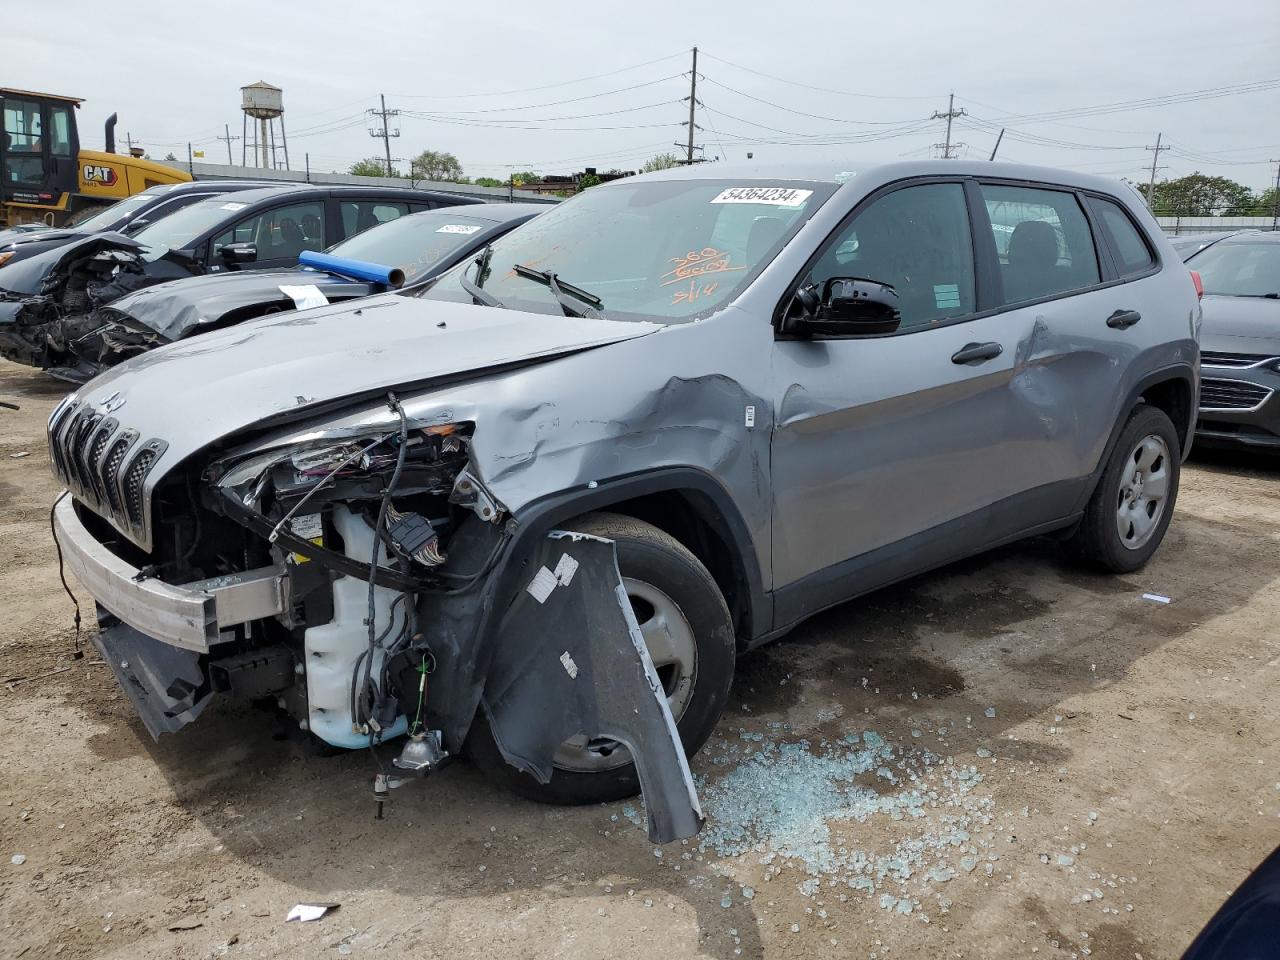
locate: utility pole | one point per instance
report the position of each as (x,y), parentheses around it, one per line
(128,138)
(1151,184)
(693,102)
(385,133)
(951,114)
(1275,201)
(997,146)
(689,146)
(228,138)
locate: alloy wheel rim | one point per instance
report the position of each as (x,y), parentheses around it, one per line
(669,639)
(1143,496)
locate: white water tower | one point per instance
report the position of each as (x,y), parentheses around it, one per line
(264,103)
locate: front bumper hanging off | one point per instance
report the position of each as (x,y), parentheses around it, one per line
(566,656)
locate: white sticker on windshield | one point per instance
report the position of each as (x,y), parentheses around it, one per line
(234,206)
(773,196)
(458,228)
(304,295)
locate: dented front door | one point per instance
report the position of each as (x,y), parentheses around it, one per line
(883,439)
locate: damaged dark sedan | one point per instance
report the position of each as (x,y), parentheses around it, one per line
(401,253)
(535,512)
(46,301)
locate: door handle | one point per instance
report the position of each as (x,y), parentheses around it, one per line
(1123,319)
(977,352)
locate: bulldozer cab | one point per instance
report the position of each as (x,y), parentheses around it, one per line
(39,149)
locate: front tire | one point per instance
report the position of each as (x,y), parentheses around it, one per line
(689,632)
(1131,508)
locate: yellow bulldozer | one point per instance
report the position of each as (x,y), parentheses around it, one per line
(45,177)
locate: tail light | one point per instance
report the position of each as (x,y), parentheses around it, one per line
(1195,278)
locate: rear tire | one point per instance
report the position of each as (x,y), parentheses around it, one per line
(663,578)
(1131,508)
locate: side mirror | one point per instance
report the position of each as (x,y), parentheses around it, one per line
(850,306)
(238,252)
(133,226)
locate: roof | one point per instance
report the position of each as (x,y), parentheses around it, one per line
(497,212)
(842,171)
(1251,236)
(12,92)
(262,85)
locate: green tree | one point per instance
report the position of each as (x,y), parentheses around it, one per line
(489,182)
(1200,195)
(369,167)
(527,177)
(170,157)
(1266,203)
(435,165)
(587,180)
(663,161)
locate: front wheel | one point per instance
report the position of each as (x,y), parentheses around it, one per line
(1131,508)
(689,633)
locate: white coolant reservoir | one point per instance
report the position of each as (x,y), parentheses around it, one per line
(332,649)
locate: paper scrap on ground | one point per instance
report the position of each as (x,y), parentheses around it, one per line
(1155,597)
(304,295)
(309,911)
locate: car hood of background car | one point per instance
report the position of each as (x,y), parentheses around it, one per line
(286,366)
(1239,325)
(179,308)
(27,276)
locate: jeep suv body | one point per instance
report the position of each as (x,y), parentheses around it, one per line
(771,389)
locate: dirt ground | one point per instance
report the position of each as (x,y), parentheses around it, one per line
(1113,762)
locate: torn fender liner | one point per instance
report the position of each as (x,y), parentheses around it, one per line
(165,683)
(570,659)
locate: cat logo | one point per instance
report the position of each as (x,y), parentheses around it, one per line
(104,176)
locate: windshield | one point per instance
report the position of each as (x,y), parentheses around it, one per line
(665,250)
(1239,269)
(417,244)
(117,212)
(183,226)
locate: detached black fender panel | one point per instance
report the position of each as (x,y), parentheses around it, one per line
(570,660)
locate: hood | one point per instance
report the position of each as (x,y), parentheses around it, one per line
(28,276)
(1237,325)
(195,392)
(17,237)
(181,308)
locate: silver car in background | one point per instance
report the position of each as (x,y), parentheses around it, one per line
(657,426)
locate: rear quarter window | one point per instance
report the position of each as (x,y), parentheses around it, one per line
(1130,249)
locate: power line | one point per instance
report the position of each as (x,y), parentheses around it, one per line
(807,86)
(801,113)
(549,86)
(558,103)
(448,115)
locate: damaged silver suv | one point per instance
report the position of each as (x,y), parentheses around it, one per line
(762,391)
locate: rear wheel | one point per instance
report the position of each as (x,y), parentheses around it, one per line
(1131,508)
(689,633)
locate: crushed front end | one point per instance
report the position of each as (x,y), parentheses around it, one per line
(362,581)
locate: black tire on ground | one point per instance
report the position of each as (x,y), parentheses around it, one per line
(1098,540)
(648,555)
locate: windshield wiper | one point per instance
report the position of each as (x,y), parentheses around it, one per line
(565,293)
(476,291)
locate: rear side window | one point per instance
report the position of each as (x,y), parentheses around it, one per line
(916,240)
(359,215)
(1132,253)
(1043,242)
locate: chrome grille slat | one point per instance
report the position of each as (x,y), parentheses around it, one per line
(1218,394)
(104,466)
(1216,358)
(111,470)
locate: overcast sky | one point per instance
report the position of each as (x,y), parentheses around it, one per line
(174,74)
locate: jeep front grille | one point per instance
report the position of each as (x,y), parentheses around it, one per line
(104,465)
